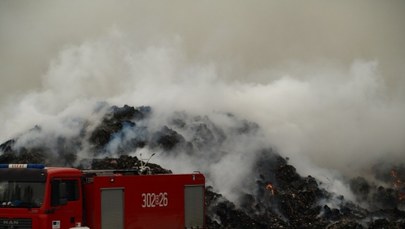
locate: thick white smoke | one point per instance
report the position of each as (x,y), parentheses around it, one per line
(321,96)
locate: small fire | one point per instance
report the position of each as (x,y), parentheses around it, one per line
(401,196)
(398,184)
(397,181)
(270,187)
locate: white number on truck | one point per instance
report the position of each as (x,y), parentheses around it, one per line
(152,200)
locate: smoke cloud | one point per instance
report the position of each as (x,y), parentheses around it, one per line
(323,80)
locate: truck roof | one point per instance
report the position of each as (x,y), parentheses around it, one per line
(63,172)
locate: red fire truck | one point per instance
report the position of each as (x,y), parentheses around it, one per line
(39,197)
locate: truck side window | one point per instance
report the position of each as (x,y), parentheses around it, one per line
(63,191)
(72,190)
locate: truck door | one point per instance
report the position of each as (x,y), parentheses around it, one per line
(112,208)
(66,203)
(194,206)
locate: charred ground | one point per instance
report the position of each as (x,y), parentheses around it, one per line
(279,197)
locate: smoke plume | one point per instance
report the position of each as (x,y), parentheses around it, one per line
(324,81)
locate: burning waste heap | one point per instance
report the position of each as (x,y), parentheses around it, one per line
(275,195)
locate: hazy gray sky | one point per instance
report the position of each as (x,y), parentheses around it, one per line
(250,34)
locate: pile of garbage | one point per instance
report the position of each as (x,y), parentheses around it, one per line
(284,199)
(127,162)
(279,197)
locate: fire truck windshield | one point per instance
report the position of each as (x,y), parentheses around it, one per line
(20,194)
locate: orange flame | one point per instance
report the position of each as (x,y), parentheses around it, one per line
(402,196)
(398,184)
(270,187)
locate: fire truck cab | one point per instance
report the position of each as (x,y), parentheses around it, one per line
(39,197)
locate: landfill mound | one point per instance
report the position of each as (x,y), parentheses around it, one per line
(279,197)
(284,199)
